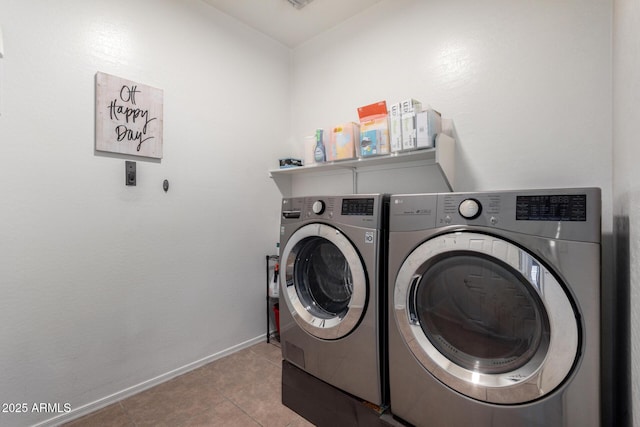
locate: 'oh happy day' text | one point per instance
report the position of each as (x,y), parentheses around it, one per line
(131,117)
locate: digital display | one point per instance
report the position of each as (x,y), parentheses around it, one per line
(358,206)
(552,208)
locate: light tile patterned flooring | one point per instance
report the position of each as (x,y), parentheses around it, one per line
(243,389)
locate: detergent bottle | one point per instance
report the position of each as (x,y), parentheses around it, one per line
(319,153)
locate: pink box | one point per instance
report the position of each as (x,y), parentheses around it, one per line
(343,142)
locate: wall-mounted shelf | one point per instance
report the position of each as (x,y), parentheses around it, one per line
(413,171)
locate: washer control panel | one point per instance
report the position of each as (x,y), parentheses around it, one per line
(356,209)
(470,208)
(318,207)
(358,206)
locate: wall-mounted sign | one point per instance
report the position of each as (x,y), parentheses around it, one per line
(128,117)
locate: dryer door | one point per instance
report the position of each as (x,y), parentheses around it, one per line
(486,318)
(325,284)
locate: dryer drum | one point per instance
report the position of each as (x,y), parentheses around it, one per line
(480,313)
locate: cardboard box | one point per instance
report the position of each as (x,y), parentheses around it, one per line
(428,126)
(409,135)
(371,141)
(395,128)
(409,108)
(374,129)
(344,140)
(309,149)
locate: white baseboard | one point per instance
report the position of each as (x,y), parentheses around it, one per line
(123,394)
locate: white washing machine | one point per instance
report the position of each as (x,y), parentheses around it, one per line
(494,303)
(331,290)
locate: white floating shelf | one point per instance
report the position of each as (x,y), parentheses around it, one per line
(442,158)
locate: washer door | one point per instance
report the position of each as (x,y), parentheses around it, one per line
(325,285)
(486,318)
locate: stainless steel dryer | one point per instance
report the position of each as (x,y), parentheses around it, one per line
(331,287)
(495,308)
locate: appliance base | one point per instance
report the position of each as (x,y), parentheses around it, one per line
(325,405)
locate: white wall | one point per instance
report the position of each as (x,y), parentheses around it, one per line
(527,84)
(626,178)
(104,287)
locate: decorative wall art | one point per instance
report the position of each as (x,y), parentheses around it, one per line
(128,117)
(1,56)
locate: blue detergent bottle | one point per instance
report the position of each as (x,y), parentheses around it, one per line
(319,153)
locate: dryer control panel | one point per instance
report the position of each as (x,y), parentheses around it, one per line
(470,208)
(569,214)
(564,207)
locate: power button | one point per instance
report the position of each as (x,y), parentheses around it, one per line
(470,208)
(318,207)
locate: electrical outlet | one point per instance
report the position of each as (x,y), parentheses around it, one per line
(130,173)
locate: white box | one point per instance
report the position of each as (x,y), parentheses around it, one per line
(408,109)
(408,131)
(309,149)
(428,126)
(410,106)
(395,127)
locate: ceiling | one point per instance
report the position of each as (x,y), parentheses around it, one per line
(279,20)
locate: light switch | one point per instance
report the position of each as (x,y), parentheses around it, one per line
(129,173)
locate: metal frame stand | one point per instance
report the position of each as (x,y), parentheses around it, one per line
(271,259)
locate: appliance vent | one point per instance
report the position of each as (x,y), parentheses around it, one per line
(299,4)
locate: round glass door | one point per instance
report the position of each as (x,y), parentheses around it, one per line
(486,318)
(324,281)
(479,313)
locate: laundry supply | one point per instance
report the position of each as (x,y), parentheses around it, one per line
(409,109)
(374,129)
(395,127)
(343,141)
(289,162)
(428,126)
(319,153)
(274,291)
(309,149)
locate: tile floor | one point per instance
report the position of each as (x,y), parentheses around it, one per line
(243,389)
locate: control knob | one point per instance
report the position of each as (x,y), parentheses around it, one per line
(470,208)
(318,207)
